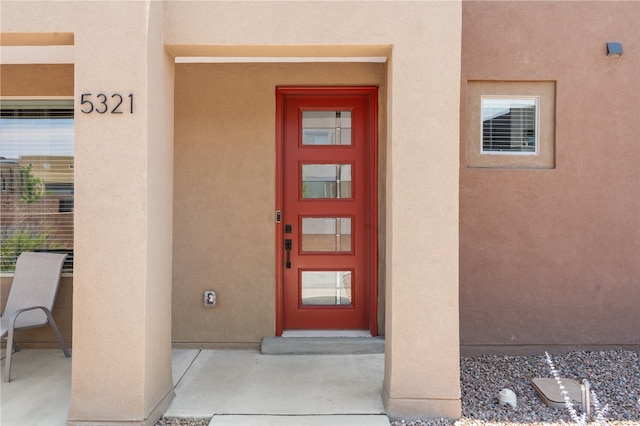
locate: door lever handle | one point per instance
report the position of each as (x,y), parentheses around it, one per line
(287,246)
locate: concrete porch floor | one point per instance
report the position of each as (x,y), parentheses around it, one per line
(232,387)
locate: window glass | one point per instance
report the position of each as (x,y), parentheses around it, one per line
(36,168)
(326,128)
(326,181)
(329,234)
(509,125)
(326,288)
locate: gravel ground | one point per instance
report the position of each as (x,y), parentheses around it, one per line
(613,375)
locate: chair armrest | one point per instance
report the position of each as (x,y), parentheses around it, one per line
(14,316)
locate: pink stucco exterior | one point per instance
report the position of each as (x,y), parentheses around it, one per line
(551,257)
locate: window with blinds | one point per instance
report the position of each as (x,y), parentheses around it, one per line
(36,173)
(509,125)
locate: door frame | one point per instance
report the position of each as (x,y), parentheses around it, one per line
(372,176)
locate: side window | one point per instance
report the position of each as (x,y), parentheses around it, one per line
(510,124)
(36,168)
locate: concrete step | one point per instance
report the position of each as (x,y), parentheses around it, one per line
(322,345)
(320,420)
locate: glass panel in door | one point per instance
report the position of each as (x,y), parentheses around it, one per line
(326,288)
(326,234)
(326,127)
(326,181)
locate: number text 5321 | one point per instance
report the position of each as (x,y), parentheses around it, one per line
(101,103)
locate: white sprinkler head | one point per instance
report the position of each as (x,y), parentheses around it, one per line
(507,396)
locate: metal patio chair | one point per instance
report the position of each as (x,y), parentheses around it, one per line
(31,299)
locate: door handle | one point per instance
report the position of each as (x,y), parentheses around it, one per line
(287,246)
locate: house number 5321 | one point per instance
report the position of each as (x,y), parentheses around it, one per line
(101,103)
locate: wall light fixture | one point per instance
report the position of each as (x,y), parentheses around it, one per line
(614,48)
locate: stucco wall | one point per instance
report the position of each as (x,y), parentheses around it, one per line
(422,43)
(36,80)
(124,214)
(224,190)
(550,258)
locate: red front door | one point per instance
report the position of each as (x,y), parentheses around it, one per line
(327,234)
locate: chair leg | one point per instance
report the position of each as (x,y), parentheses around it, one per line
(52,322)
(16,348)
(7,361)
(6,377)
